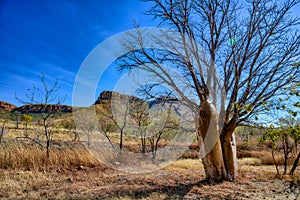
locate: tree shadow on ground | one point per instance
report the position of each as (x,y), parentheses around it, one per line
(178,191)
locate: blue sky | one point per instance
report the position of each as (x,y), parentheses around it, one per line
(54,37)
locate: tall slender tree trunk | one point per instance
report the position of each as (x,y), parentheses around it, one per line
(48,148)
(295,164)
(2,131)
(210,144)
(121,141)
(143,142)
(48,137)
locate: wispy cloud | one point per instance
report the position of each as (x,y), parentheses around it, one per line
(54,38)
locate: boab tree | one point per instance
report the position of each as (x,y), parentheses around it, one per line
(251,48)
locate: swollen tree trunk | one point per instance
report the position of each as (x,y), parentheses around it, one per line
(229,150)
(210,144)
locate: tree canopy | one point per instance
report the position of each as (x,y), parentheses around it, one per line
(232,55)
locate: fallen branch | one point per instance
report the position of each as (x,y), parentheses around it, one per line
(31,140)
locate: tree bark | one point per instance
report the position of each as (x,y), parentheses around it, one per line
(121,141)
(295,164)
(229,150)
(209,143)
(48,148)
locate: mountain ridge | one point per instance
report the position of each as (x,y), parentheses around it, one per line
(6,106)
(105,95)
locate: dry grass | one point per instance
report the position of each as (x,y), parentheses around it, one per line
(263,157)
(242,153)
(72,172)
(183,165)
(249,161)
(32,157)
(254,182)
(18,184)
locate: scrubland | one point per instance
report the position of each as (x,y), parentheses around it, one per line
(72,172)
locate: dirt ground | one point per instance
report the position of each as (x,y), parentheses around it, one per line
(183,179)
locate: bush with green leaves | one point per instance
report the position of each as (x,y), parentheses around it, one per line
(283,134)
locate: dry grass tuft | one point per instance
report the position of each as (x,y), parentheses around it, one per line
(242,153)
(260,158)
(249,161)
(31,157)
(183,165)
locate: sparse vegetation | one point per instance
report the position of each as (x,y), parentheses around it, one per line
(215,113)
(72,172)
(26,119)
(42,99)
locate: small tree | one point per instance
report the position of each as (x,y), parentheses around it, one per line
(105,127)
(117,111)
(165,122)
(140,114)
(295,133)
(3,131)
(285,129)
(280,139)
(43,98)
(16,117)
(70,126)
(5,116)
(26,119)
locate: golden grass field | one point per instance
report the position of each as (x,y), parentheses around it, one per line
(72,172)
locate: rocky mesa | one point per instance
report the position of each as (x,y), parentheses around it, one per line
(111,95)
(40,108)
(6,106)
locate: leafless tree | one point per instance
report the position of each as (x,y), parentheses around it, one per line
(5,117)
(3,128)
(117,111)
(43,99)
(106,127)
(70,126)
(164,123)
(90,127)
(139,113)
(251,50)
(16,116)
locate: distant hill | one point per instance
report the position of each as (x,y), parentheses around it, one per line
(6,106)
(37,108)
(104,98)
(109,95)
(104,101)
